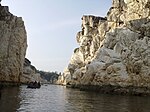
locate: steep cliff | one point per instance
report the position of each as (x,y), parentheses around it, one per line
(30,73)
(114,52)
(13,44)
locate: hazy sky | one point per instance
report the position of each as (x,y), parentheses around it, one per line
(52,26)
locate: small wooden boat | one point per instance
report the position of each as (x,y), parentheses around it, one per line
(34,85)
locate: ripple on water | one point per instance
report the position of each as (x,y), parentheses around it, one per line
(54,98)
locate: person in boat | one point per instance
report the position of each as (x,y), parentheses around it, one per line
(34,85)
(39,84)
(30,85)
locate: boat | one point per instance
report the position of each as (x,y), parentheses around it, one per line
(34,85)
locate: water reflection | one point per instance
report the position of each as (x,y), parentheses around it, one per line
(9,101)
(82,101)
(53,98)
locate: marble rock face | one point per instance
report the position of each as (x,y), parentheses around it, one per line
(30,73)
(13,44)
(114,50)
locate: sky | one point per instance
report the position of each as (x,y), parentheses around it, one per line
(52,26)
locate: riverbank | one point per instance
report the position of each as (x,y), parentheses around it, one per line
(104,89)
(114,90)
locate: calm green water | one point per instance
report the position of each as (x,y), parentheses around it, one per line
(54,98)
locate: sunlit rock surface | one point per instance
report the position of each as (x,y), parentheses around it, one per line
(113,51)
(13,44)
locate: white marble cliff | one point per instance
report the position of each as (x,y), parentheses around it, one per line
(14,67)
(13,44)
(113,51)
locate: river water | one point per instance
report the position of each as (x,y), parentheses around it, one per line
(55,98)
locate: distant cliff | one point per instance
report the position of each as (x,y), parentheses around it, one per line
(49,77)
(114,52)
(13,44)
(30,73)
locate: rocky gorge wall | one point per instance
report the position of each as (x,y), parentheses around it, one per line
(30,73)
(13,44)
(114,52)
(14,67)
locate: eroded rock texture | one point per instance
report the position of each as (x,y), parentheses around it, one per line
(115,50)
(30,73)
(13,44)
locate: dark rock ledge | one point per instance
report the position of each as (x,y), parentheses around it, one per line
(114,90)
